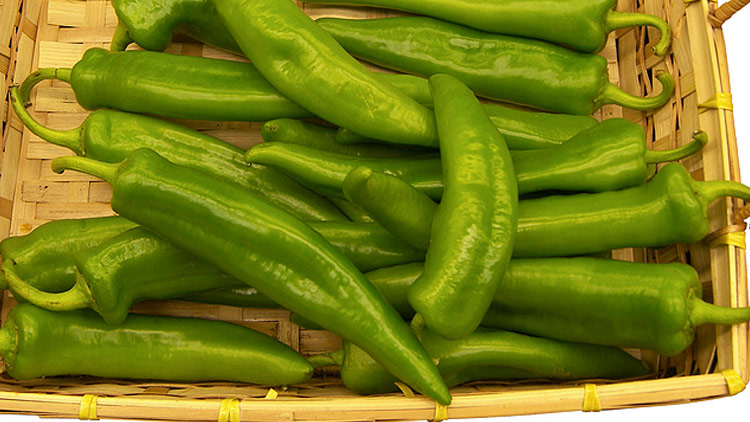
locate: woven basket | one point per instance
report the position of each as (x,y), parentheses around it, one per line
(55,33)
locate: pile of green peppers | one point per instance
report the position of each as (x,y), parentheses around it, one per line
(444,237)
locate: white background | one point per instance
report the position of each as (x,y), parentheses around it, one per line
(737,37)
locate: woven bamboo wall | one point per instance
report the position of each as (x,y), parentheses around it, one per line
(55,33)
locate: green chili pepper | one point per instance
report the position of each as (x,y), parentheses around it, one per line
(589,300)
(138,265)
(402,213)
(500,355)
(500,67)
(580,24)
(611,155)
(355,213)
(324,138)
(267,248)
(474,226)
(133,266)
(110,135)
(37,257)
(307,65)
(151,24)
(670,208)
(324,171)
(37,343)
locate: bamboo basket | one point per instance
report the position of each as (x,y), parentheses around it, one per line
(55,33)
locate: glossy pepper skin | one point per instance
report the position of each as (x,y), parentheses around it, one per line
(36,257)
(500,67)
(110,135)
(151,24)
(611,155)
(474,227)
(670,208)
(37,343)
(589,300)
(309,67)
(580,24)
(267,248)
(499,354)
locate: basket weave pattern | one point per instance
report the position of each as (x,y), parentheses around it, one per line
(55,33)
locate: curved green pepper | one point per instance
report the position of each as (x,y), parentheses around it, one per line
(151,24)
(44,257)
(474,226)
(404,212)
(37,343)
(501,354)
(500,67)
(670,208)
(110,135)
(307,65)
(580,24)
(324,138)
(267,248)
(611,155)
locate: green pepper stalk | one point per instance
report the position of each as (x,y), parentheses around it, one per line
(110,135)
(37,343)
(474,226)
(611,155)
(310,68)
(502,354)
(580,24)
(500,67)
(44,257)
(267,248)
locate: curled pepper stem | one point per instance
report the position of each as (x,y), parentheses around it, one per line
(19,99)
(102,170)
(612,94)
(616,20)
(77,297)
(417,325)
(335,358)
(707,313)
(712,190)
(700,139)
(121,38)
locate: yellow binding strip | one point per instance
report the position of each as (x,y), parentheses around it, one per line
(229,411)
(88,408)
(404,389)
(591,399)
(720,100)
(734,381)
(271,394)
(441,412)
(734,239)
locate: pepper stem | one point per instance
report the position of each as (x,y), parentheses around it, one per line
(417,325)
(706,313)
(711,190)
(616,20)
(335,358)
(700,139)
(104,171)
(121,38)
(612,94)
(70,139)
(77,297)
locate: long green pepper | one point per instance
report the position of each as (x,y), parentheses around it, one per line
(37,343)
(110,135)
(580,24)
(500,67)
(267,248)
(474,227)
